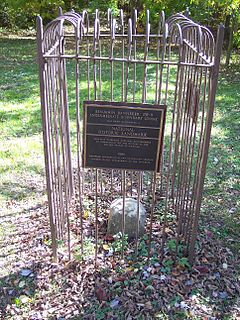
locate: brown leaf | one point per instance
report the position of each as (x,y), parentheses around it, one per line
(108,237)
(148,305)
(202,269)
(101,294)
(120,279)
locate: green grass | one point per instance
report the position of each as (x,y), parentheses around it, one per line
(21,151)
(222,183)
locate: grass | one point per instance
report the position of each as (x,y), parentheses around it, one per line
(222,183)
(21,149)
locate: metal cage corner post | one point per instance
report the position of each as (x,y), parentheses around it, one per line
(81,60)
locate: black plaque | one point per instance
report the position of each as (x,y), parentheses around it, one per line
(123,135)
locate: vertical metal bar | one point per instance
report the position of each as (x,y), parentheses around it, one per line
(169,161)
(144,83)
(112,34)
(197,165)
(128,58)
(60,12)
(147,38)
(95,42)
(123,210)
(134,53)
(62,135)
(164,47)
(161,27)
(138,210)
(159,88)
(175,115)
(67,125)
(123,51)
(87,26)
(212,95)
(79,140)
(180,117)
(88,62)
(46,135)
(66,143)
(100,69)
(96,216)
(51,141)
(52,91)
(58,151)
(151,215)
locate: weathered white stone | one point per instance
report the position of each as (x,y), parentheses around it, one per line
(115,217)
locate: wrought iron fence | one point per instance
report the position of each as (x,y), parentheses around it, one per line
(177,66)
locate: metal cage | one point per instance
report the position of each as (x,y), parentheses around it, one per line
(177,65)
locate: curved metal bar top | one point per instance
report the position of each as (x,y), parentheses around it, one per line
(204,40)
(178,29)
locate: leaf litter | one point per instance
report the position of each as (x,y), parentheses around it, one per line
(34,287)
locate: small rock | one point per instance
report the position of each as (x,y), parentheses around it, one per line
(25,272)
(189,283)
(225,266)
(163,277)
(148,305)
(215,294)
(11,292)
(115,217)
(145,274)
(194,297)
(24,299)
(232,210)
(110,252)
(183,305)
(114,303)
(21,284)
(223,295)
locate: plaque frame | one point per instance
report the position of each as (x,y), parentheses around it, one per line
(132,106)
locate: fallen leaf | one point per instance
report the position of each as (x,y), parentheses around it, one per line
(101,294)
(24,299)
(85,214)
(21,284)
(148,305)
(202,269)
(108,237)
(106,247)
